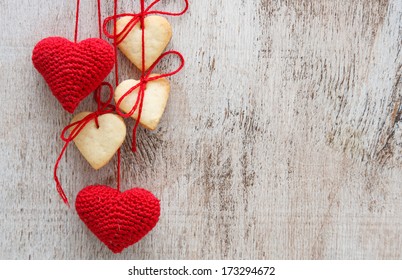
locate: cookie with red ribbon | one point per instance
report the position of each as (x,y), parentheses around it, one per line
(155,98)
(100,138)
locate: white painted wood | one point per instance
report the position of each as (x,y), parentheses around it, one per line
(282,137)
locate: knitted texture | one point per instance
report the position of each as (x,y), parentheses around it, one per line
(73,70)
(118,219)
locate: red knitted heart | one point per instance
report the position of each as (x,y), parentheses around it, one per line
(73,70)
(118,219)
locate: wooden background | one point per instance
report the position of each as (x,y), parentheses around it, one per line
(282,138)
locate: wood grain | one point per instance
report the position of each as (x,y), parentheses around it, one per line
(282,137)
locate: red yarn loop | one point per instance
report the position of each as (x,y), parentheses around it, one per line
(137,17)
(98,97)
(145,78)
(103,108)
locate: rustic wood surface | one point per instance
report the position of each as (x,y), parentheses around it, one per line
(282,138)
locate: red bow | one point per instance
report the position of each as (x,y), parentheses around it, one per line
(136,18)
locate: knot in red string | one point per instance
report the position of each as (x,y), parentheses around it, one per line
(137,17)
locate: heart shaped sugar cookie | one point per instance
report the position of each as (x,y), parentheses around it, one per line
(118,219)
(73,70)
(98,145)
(158,33)
(155,99)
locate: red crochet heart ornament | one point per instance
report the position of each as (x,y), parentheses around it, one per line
(73,70)
(118,219)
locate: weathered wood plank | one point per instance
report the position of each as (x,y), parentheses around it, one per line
(281,140)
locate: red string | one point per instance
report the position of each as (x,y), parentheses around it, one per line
(116,72)
(116,65)
(77,14)
(97,92)
(103,104)
(99,19)
(142,25)
(118,168)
